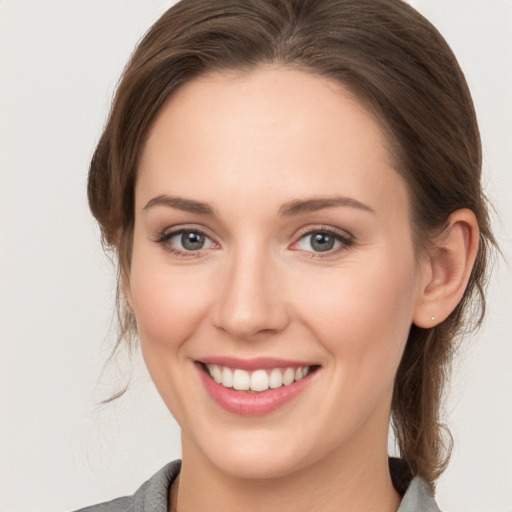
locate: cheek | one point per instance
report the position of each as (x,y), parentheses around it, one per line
(169,308)
(168,304)
(363,315)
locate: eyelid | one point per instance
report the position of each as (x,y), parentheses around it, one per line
(340,235)
(323,228)
(163,237)
(168,230)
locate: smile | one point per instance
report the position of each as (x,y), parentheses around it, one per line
(256,381)
(256,387)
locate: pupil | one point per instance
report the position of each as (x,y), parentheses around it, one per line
(322,242)
(192,241)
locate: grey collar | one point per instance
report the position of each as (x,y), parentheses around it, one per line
(153,495)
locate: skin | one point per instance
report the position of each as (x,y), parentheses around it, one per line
(246,144)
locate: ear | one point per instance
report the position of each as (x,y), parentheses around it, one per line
(446,269)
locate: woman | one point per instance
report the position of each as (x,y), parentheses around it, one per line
(293,192)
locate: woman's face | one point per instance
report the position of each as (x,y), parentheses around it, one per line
(272,239)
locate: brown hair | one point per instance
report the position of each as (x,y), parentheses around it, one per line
(401,68)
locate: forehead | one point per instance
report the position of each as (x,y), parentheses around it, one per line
(250,132)
(257,101)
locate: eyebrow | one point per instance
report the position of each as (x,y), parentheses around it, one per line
(289,209)
(313,204)
(187,205)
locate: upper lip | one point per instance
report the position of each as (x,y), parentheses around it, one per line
(257,363)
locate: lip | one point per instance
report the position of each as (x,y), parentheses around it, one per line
(258,363)
(252,404)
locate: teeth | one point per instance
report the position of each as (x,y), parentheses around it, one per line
(216,373)
(227,378)
(275,379)
(289,376)
(241,380)
(257,381)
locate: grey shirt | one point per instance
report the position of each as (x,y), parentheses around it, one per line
(153,495)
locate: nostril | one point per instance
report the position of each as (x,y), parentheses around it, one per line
(245,324)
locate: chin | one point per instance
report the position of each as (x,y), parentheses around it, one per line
(267,454)
(260,466)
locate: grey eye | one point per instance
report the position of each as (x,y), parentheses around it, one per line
(192,240)
(322,242)
(187,240)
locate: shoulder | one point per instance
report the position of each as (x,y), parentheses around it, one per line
(152,495)
(418,498)
(417,495)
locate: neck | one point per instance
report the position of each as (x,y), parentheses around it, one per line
(341,481)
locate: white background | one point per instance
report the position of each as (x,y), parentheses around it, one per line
(59,63)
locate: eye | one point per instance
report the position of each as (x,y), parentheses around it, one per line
(323,241)
(185,241)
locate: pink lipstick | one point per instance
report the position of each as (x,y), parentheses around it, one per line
(272,383)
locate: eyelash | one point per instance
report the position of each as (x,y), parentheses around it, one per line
(346,241)
(164,238)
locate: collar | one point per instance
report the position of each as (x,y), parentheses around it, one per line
(153,495)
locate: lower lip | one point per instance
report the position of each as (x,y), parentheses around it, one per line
(252,404)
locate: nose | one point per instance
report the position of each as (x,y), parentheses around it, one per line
(250,299)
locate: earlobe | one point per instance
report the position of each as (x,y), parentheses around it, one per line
(447,269)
